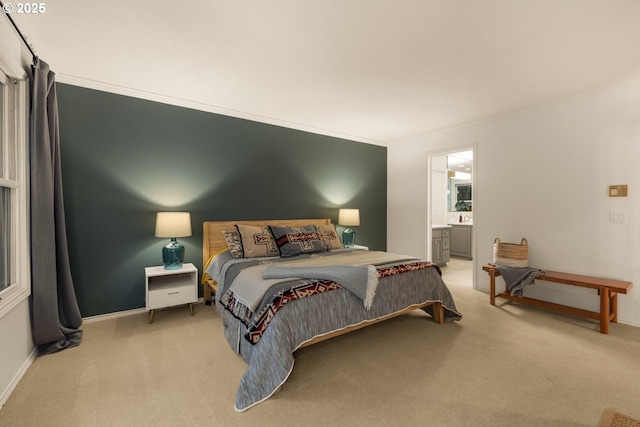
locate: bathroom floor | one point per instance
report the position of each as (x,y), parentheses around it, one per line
(459,272)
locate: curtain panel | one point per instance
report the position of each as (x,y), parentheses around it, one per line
(56,318)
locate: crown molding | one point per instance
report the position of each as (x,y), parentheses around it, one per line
(180,102)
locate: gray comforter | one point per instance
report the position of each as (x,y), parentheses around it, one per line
(270,360)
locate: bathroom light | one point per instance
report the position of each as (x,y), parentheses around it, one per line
(462,176)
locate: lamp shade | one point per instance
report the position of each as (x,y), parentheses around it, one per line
(349,217)
(173,224)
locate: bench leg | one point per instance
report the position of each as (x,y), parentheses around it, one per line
(614,307)
(605,313)
(492,286)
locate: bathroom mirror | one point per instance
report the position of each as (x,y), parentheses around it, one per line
(460,195)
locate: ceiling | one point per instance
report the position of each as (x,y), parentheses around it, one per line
(461,162)
(370,70)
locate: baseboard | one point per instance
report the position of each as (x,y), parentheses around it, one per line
(624,322)
(114,315)
(18,376)
(118,314)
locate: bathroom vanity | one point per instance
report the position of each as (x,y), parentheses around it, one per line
(461,240)
(440,244)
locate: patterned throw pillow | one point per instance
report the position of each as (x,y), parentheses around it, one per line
(329,236)
(234,243)
(294,241)
(257,241)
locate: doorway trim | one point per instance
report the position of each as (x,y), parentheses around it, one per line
(474,180)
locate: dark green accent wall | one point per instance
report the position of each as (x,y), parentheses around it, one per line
(124,159)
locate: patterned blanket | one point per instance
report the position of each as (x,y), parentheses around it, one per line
(300,319)
(277,297)
(360,280)
(251,284)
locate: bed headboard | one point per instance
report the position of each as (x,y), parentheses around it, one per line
(213,240)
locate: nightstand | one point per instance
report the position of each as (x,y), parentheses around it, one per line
(166,288)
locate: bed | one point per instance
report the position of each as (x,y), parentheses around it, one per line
(275,304)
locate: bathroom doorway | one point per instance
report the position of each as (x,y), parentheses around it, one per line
(450,213)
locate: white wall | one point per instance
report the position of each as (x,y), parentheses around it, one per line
(542,173)
(17,347)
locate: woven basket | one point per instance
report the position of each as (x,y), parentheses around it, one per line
(510,254)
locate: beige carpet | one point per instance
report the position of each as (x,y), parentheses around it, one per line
(500,366)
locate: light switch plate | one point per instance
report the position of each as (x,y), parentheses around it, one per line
(618,217)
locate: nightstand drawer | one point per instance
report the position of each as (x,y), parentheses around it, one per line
(170,296)
(166,288)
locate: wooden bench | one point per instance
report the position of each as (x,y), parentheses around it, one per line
(608,289)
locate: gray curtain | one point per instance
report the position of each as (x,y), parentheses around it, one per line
(55,315)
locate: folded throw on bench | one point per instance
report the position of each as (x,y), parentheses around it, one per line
(517,278)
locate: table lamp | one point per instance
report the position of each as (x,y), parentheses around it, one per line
(173,225)
(350,218)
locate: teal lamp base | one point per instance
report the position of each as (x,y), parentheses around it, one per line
(173,255)
(349,238)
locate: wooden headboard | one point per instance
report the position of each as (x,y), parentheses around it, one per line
(213,240)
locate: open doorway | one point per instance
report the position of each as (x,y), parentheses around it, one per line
(450,213)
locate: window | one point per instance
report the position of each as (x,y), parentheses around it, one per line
(14,253)
(5,219)
(6,260)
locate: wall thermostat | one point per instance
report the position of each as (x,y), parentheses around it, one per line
(617,191)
